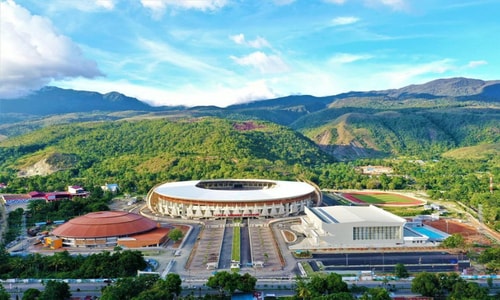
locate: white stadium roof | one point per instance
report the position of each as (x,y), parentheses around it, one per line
(351,214)
(189,190)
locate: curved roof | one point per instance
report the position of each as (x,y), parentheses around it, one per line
(104,224)
(191,190)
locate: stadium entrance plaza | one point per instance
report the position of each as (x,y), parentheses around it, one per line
(208,249)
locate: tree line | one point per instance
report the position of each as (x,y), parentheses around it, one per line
(440,286)
(64,265)
(140,154)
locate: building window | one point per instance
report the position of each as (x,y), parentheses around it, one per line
(376,233)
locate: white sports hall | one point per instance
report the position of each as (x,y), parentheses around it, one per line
(350,227)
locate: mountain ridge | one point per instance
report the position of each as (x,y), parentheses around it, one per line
(433,117)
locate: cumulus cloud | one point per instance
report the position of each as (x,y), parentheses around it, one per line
(159,6)
(33,53)
(108,4)
(344,21)
(189,95)
(238,38)
(257,43)
(263,62)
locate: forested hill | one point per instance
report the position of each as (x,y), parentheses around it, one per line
(419,120)
(139,154)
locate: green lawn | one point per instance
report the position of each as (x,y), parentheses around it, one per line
(236,244)
(382,198)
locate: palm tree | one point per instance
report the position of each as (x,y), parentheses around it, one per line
(302,290)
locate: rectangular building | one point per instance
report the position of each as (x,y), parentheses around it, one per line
(352,226)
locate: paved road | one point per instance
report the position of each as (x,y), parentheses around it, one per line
(246,255)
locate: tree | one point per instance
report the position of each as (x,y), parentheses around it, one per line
(247,283)
(491,258)
(55,290)
(401,271)
(426,284)
(129,287)
(173,284)
(464,290)
(175,234)
(335,284)
(4,295)
(376,293)
(129,261)
(321,284)
(163,289)
(448,281)
(302,291)
(31,294)
(224,282)
(455,240)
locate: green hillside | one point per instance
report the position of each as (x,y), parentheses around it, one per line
(377,128)
(139,154)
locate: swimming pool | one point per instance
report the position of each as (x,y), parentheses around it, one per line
(432,233)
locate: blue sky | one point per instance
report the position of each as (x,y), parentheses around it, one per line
(221,52)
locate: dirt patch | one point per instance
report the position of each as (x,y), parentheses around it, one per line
(289,236)
(246,126)
(470,233)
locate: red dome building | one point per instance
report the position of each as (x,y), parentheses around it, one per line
(111,228)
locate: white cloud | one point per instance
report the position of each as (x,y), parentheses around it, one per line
(86,6)
(159,6)
(476,63)
(283,2)
(393,4)
(238,38)
(340,21)
(335,1)
(107,4)
(186,95)
(159,53)
(33,53)
(401,75)
(263,62)
(344,58)
(258,42)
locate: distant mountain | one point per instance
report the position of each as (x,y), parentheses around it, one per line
(53,100)
(430,118)
(453,87)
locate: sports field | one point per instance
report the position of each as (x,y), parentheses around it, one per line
(382,199)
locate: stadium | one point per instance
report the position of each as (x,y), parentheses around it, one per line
(110,228)
(226,198)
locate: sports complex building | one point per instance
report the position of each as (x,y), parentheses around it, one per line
(361,226)
(110,228)
(223,198)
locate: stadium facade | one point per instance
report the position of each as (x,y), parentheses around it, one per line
(231,198)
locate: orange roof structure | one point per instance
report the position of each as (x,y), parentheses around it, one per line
(105,224)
